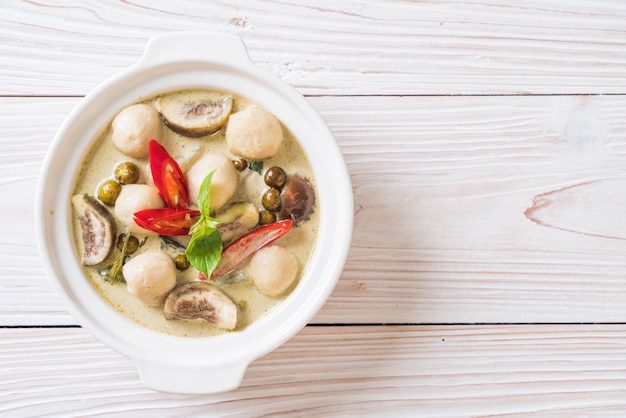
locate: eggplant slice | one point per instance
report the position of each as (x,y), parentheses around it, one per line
(98,229)
(194,115)
(201,300)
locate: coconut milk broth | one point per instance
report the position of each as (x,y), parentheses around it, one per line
(99,165)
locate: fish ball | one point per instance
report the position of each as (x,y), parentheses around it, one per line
(253,133)
(223,183)
(150,277)
(273,270)
(134,127)
(133,198)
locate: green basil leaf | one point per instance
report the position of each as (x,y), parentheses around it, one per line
(204,195)
(212,222)
(256,166)
(205,249)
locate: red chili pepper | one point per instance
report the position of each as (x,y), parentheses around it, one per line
(168,177)
(167,221)
(242,248)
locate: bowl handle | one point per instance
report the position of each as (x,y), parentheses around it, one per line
(195,46)
(189,379)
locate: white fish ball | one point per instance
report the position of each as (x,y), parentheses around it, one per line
(223,183)
(273,270)
(133,198)
(254,133)
(150,277)
(134,127)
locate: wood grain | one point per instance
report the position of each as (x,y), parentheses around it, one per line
(28,127)
(347,371)
(443,188)
(486,143)
(455,47)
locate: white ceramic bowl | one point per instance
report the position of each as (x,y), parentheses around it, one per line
(176,61)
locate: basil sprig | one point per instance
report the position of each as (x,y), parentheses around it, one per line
(205,248)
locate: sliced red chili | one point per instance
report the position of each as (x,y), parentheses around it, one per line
(168,177)
(242,248)
(167,221)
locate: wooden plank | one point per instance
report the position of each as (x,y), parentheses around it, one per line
(354,47)
(452,222)
(28,126)
(330,371)
(467,209)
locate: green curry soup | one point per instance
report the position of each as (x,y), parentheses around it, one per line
(187,147)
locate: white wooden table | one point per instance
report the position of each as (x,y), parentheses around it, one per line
(486,143)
